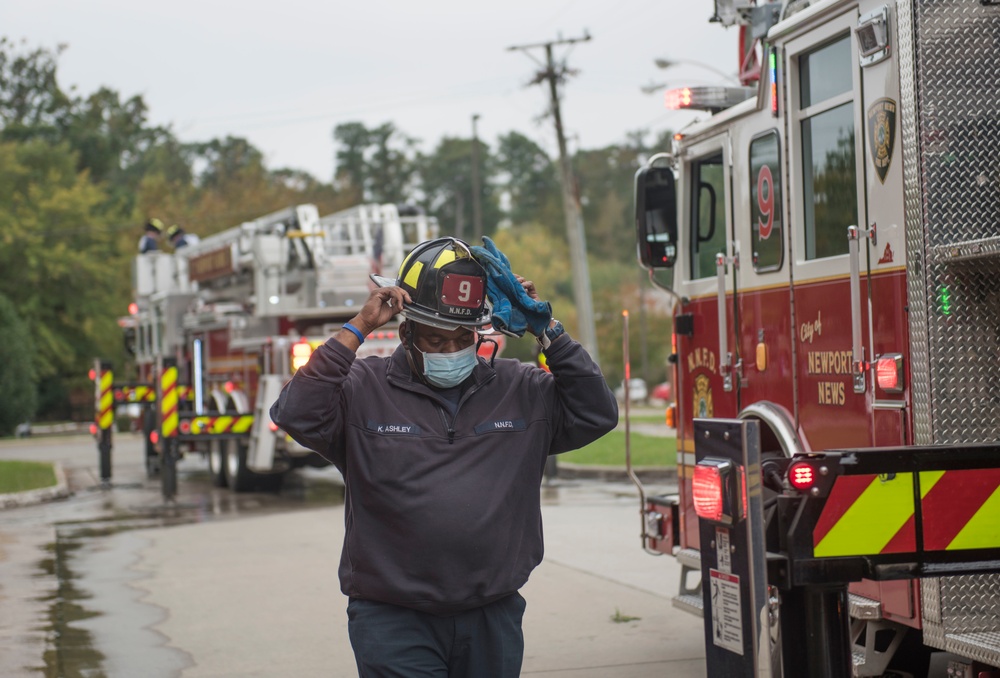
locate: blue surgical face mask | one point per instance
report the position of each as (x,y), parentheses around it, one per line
(446,370)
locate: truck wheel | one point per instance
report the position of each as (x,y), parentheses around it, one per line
(217,462)
(241,478)
(152,466)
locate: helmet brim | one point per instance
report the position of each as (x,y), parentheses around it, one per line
(419,315)
(382,281)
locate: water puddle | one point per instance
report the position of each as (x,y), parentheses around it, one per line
(96,623)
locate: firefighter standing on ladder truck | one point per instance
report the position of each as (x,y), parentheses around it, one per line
(828,236)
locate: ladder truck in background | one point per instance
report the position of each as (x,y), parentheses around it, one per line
(830,235)
(216,328)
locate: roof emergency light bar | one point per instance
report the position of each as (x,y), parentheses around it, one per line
(712,99)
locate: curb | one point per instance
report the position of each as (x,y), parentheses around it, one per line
(43,494)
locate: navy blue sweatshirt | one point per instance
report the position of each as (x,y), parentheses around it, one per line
(443,511)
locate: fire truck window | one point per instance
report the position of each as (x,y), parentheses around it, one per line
(831,193)
(825,72)
(708,216)
(828,164)
(765,202)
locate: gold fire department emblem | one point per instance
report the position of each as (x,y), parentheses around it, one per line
(882,135)
(703,397)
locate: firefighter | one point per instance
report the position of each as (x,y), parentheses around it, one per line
(180,238)
(442,454)
(150,240)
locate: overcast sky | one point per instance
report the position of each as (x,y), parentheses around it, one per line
(284,74)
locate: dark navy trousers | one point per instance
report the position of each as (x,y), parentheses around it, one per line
(397,642)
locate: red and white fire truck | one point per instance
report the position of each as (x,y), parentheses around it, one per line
(217,327)
(830,236)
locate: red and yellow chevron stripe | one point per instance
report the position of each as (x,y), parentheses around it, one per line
(239,423)
(106,401)
(869,514)
(168,402)
(147,394)
(138,394)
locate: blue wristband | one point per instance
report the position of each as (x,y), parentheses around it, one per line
(356,331)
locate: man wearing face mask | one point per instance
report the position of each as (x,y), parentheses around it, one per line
(443,455)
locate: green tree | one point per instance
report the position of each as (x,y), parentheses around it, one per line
(605,179)
(56,254)
(446,178)
(351,173)
(530,180)
(18,393)
(117,147)
(392,165)
(31,102)
(375,165)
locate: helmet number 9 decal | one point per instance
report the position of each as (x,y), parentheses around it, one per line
(462,290)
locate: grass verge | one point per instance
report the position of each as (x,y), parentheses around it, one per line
(610,451)
(645,418)
(21,476)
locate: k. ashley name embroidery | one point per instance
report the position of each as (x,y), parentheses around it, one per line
(393,429)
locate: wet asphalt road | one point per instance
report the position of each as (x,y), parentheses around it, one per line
(67,603)
(94,586)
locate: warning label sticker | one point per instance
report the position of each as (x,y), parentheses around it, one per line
(722,556)
(727,611)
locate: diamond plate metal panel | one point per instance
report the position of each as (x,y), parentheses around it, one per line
(950,91)
(958,104)
(970,603)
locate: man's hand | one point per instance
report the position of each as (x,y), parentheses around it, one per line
(382,304)
(529,289)
(529,286)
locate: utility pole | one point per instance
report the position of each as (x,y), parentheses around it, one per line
(477,207)
(571,206)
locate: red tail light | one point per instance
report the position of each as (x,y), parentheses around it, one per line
(185,426)
(719,491)
(93,429)
(889,372)
(154,437)
(802,476)
(707,489)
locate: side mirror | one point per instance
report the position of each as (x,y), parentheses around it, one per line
(656,217)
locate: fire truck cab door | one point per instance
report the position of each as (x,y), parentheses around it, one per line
(705,269)
(826,192)
(763,308)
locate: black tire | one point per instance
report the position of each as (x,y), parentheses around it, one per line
(168,469)
(217,462)
(239,475)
